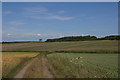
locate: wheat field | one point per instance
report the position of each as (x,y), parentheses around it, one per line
(12,59)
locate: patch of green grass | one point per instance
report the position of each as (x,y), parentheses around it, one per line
(87,66)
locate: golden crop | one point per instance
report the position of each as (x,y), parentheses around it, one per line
(11,59)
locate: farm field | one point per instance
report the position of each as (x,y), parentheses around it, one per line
(13,61)
(80,46)
(85,65)
(59,39)
(82,59)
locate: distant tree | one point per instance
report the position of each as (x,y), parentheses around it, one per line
(40,40)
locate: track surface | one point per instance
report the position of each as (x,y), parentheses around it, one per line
(46,72)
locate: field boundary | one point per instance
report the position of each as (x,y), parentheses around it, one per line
(49,52)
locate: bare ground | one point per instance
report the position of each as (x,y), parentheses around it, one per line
(45,70)
(22,72)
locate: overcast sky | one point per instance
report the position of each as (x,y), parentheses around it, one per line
(32,21)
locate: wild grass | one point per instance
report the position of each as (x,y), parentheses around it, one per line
(87,66)
(13,61)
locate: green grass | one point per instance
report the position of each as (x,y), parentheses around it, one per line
(78,46)
(87,66)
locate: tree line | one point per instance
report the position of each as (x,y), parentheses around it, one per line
(83,38)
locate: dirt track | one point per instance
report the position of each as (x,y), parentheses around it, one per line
(45,69)
(22,72)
